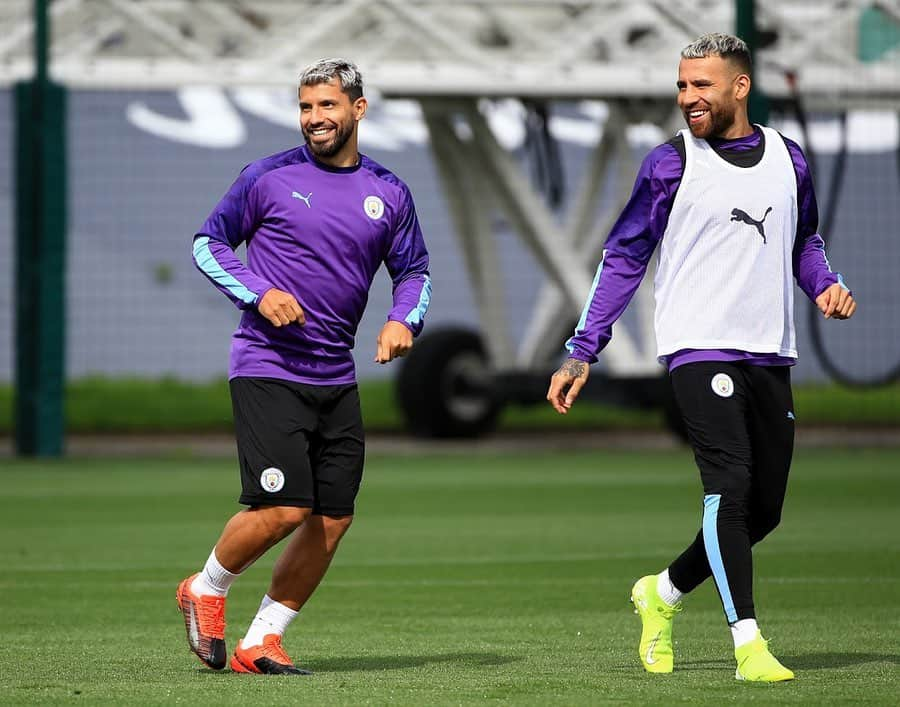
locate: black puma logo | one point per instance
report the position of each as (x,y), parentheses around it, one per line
(738,215)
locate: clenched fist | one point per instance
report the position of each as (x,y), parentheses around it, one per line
(281,308)
(836,302)
(393,341)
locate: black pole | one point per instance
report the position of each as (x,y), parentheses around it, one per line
(40,42)
(40,215)
(745,14)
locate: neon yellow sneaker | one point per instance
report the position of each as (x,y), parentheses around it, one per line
(656,625)
(756,664)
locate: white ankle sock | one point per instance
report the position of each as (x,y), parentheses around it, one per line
(272,617)
(744,631)
(214,579)
(667,591)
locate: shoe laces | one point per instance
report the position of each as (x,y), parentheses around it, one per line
(212,615)
(763,641)
(271,648)
(760,648)
(666,611)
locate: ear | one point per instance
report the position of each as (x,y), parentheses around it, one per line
(741,87)
(360,105)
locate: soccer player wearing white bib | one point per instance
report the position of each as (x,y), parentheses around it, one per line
(732,207)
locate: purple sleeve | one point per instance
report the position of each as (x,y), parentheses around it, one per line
(230,276)
(230,224)
(628,250)
(407,264)
(811,268)
(232,221)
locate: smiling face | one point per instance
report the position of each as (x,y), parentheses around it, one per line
(712,96)
(328,120)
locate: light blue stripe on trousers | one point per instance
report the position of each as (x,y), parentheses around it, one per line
(714,553)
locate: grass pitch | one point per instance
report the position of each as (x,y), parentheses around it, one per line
(465,579)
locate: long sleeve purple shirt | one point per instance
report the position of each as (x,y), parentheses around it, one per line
(641,226)
(319,233)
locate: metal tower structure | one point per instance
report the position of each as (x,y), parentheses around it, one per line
(428,48)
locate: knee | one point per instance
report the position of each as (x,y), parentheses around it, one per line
(763,523)
(334,528)
(731,504)
(281,521)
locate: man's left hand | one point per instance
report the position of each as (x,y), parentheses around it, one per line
(393,341)
(836,302)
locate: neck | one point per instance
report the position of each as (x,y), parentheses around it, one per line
(347,156)
(741,127)
(339,160)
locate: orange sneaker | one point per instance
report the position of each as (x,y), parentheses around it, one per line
(267,659)
(204,619)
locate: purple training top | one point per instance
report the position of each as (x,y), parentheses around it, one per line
(640,228)
(319,233)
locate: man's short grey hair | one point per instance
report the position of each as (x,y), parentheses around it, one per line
(327,70)
(718,44)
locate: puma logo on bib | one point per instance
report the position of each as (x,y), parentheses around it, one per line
(744,217)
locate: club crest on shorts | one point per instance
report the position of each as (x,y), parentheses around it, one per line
(374,207)
(722,385)
(272,479)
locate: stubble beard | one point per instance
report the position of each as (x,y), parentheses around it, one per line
(330,149)
(719,122)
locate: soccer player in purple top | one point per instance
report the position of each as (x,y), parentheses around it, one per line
(732,208)
(318,222)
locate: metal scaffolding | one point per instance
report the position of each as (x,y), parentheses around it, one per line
(417,48)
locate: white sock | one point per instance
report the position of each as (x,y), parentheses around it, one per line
(744,631)
(272,617)
(214,579)
(667,591)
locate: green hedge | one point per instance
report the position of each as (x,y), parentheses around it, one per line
(173,406)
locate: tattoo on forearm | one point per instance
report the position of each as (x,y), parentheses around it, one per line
(573,367)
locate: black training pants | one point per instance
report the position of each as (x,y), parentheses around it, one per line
(740,423)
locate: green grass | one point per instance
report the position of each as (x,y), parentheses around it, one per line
(104,405)
(465,579)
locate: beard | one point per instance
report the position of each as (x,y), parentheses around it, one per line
(331,148)
(719,121)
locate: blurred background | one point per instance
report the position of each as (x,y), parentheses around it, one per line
(519,127)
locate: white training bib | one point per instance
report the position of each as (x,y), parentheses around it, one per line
(725,275)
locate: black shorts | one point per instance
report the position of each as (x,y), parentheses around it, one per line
(740,422)
(299,445)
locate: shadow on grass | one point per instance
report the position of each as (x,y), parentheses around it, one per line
(355,664)
(717,664)
(399,662)
(811,661)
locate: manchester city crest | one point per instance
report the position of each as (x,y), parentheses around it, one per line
(374,207)
(722,385)
(272,479)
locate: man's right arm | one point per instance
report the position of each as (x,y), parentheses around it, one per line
(230,276)
(231,223)
(626,255)
(627,251)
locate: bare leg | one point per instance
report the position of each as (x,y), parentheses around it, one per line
(305,560)
(248,534)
